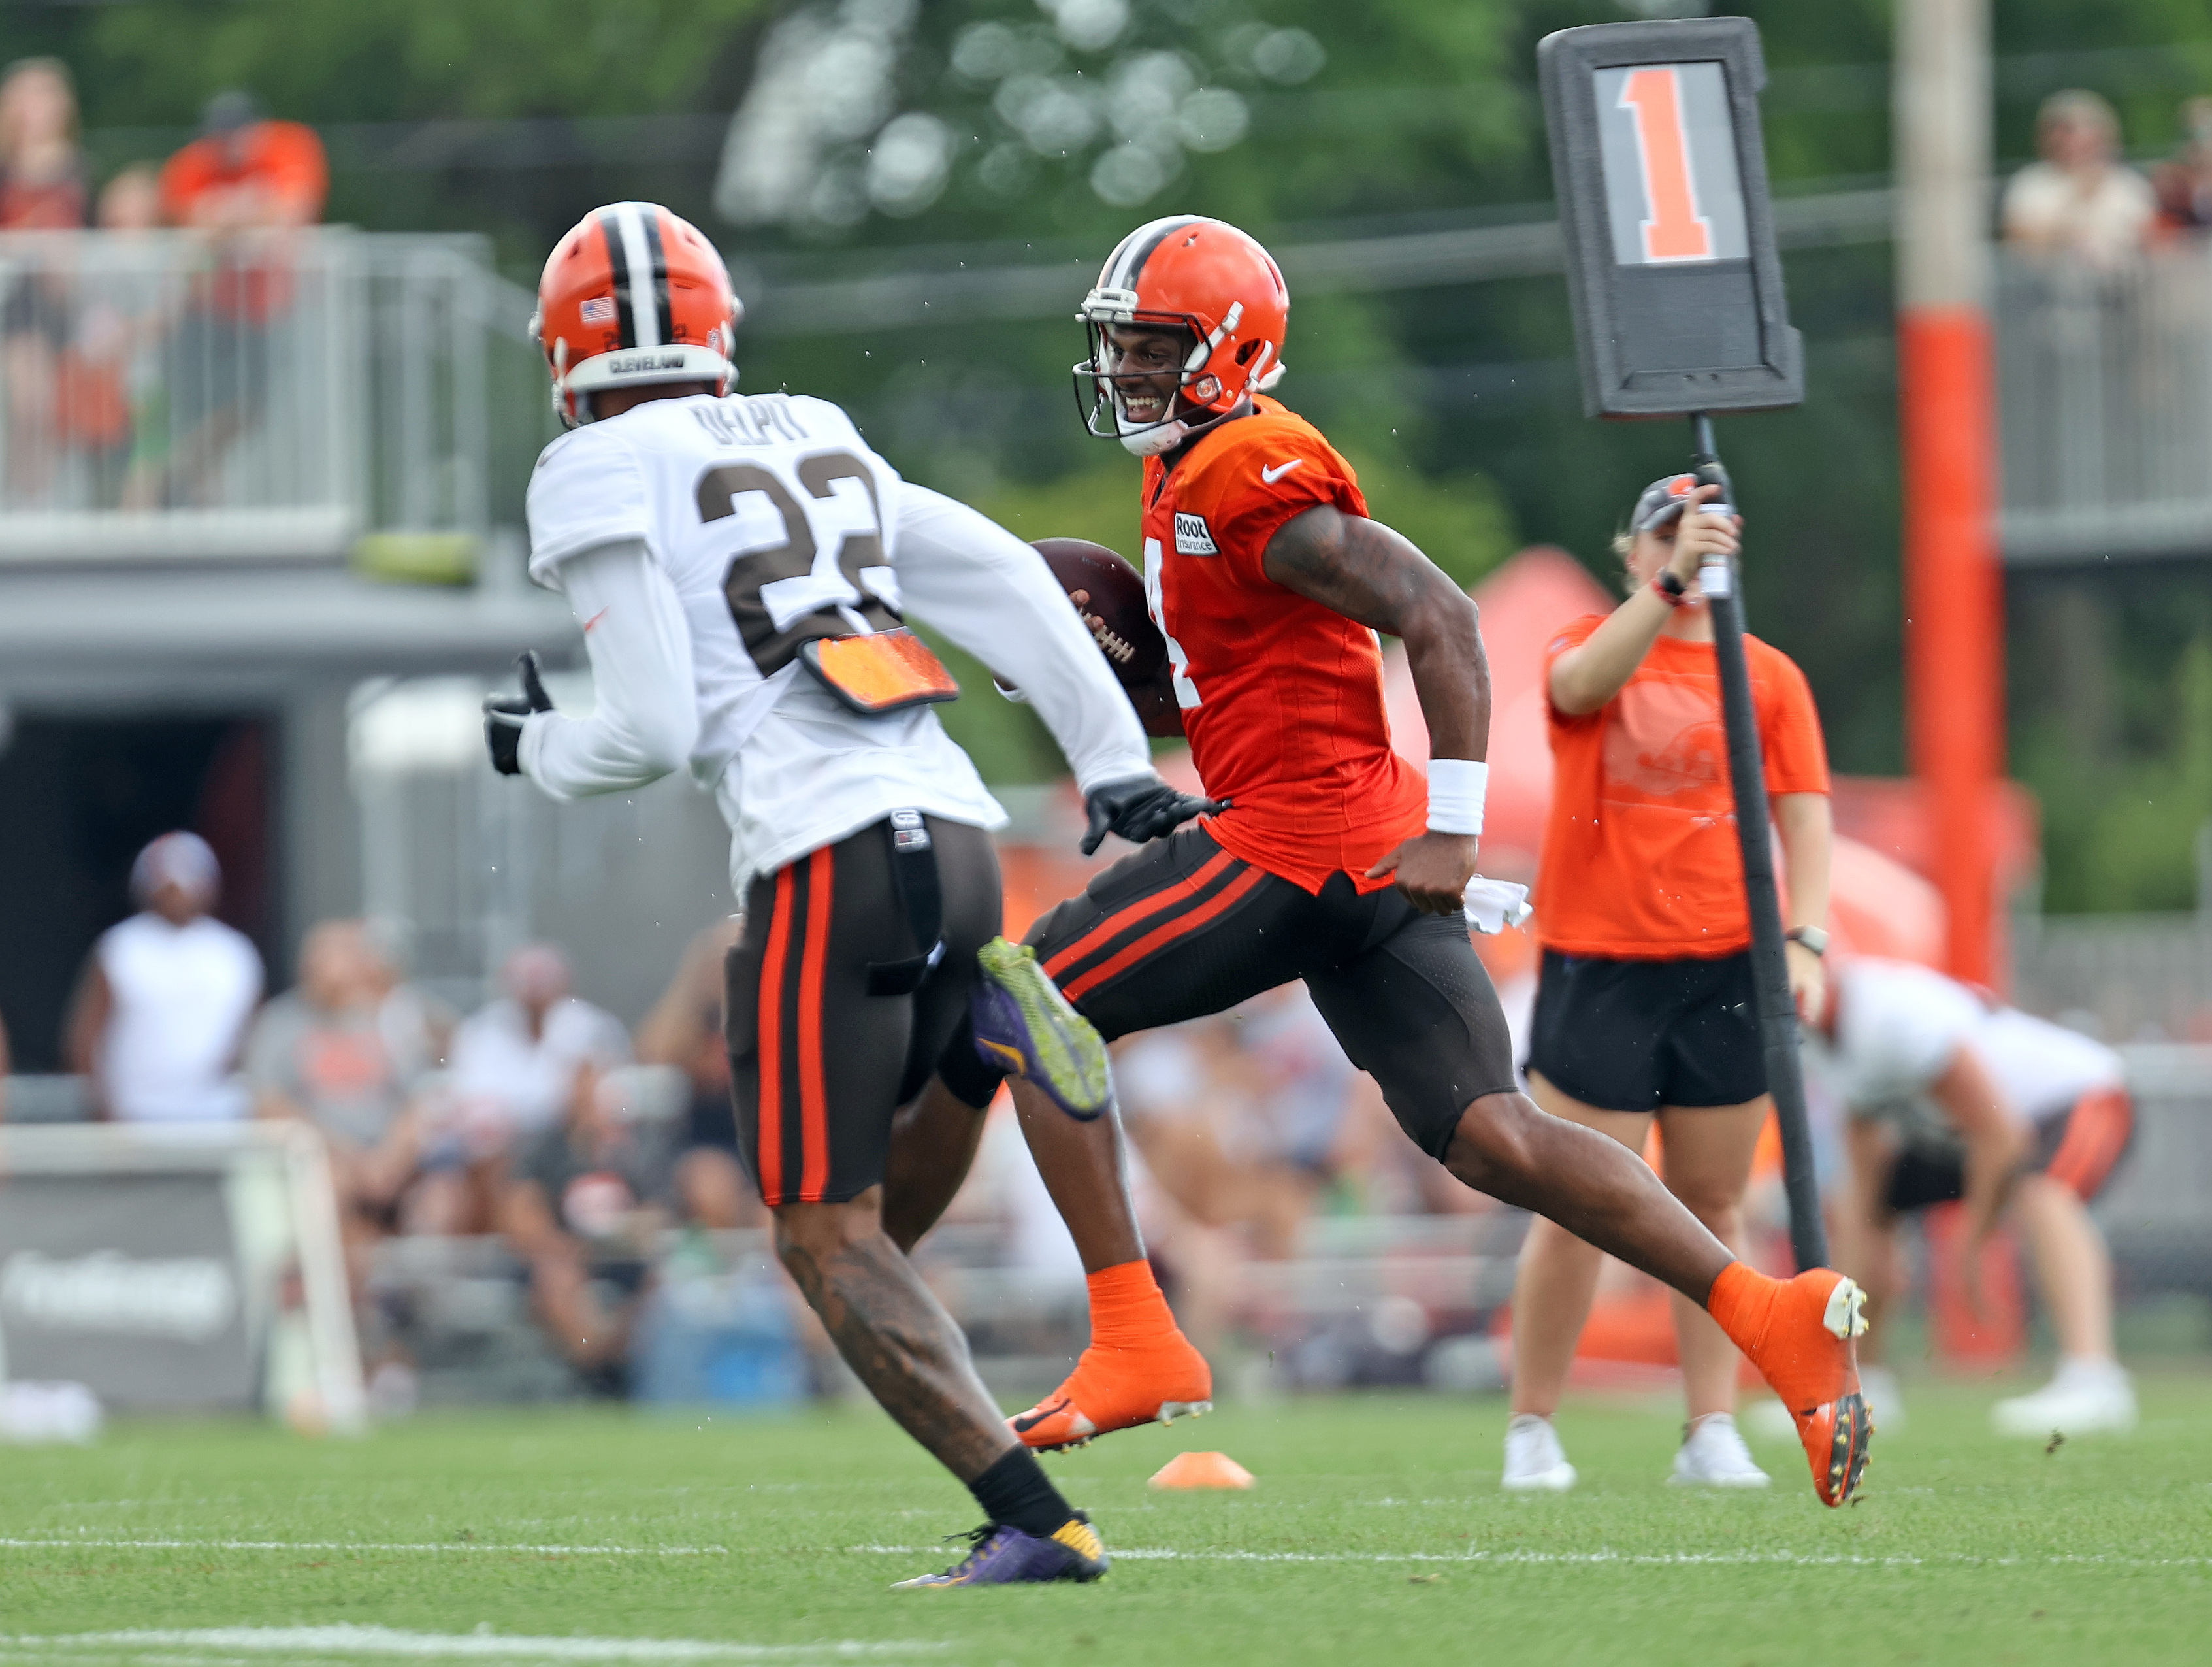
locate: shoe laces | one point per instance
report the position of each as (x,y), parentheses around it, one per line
(978,1541)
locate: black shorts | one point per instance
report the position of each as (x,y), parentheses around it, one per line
(817,1065)
(1634,1035)
(1181,929)
(2081,1148)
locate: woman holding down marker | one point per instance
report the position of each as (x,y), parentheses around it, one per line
(1645,1005)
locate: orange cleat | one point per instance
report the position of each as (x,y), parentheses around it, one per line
(1799,1334)
(1117,1389)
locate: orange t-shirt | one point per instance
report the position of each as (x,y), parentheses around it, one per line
(1640,861)
(1281,697)
(283,158)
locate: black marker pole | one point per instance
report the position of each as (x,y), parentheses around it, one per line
(1777,1012)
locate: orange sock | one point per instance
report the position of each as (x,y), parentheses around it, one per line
(1741,1301)
(1127,1311)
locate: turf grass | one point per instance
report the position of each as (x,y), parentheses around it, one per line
(1376,1533)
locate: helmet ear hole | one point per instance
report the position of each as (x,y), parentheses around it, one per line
(1244,353)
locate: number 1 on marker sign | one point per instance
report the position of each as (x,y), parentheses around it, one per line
(1675,230)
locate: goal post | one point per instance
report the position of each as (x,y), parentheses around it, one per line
(179,1269)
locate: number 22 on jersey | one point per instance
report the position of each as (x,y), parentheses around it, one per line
(838,617)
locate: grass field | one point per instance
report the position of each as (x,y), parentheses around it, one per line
(1376,1534)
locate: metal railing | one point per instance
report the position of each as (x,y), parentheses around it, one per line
(2153,1212)
(165,395)
(2127,977)
(2105,380)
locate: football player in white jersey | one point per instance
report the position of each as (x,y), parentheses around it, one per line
(1953,1097)
(741,567)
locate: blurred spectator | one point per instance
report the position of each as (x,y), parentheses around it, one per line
(519,1066)
(245,173)
(161,1010)
(109,401)
(2080,199)
(42,177)
(519,1058)
(580,1211)
(42,188)
(245,179)
(319,1053)
(418,1028)
(2184,181)
(684,1030)
(132,200)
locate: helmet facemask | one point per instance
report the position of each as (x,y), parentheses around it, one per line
(1199,397)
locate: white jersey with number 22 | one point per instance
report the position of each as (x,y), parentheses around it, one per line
(723,533)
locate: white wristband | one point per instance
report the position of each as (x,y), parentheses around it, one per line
(1456,789)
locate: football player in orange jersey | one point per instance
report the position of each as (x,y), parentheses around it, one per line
(1334,860)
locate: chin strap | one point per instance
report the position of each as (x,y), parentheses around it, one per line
(1161,437)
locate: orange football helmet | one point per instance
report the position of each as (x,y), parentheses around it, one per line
(1202,276)
(634,295)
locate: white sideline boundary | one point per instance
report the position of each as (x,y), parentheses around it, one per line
(485,1645)
(1162,1554)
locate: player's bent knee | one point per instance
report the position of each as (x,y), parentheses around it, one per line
(1491,1144)
(814,1231)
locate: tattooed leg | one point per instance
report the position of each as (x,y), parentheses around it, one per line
(892,1332)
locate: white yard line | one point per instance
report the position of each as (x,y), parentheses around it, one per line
(62,1543)
(295,1642)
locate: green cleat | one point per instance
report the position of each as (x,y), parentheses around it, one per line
(1025,1027)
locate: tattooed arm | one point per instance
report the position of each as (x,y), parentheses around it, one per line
(1370,573)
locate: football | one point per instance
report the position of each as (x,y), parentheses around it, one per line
(1124,629)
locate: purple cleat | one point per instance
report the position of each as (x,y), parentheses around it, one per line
(1007,1557)
(1025,1026)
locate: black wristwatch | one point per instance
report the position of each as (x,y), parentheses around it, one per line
(1814,938)
(1669,585)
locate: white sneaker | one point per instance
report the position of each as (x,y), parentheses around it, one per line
(1534,1461)
(2086,1397)
(1712,1455)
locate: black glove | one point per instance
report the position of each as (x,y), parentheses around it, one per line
(503,716)
(1140,808)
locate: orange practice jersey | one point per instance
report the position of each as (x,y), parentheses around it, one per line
(1640,859)
(1281,697)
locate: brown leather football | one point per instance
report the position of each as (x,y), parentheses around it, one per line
(1125,633)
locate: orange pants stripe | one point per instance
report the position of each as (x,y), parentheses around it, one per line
(1131,914)
(771,1043)
(2096,1131)
(814,1102)
(1077,988)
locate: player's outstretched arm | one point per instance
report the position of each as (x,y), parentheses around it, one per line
(1370,573)
(963,574)
(646,719)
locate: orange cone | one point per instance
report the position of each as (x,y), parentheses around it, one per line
(1202,1470)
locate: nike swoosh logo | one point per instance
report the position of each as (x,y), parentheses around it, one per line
(1023,1425)
(1271,476)
(595,619)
